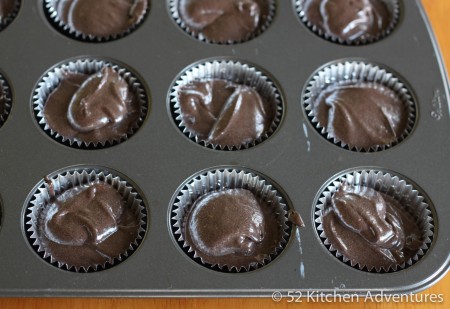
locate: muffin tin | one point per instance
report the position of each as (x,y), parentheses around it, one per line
(159,158)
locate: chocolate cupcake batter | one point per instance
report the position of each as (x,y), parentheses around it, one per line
(87,226)
(349,20)
(6,9)
(223,113)
(96,108)
(370,228)
(224,20)
(233,228)
(361,115)
(101,18)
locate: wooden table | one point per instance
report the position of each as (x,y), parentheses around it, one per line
(439,14)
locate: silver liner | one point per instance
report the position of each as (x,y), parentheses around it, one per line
(356,72)
(4,86)
(392,5)
(391,185)
(233,71)
(173,8)
(53,77)
(8,19)
(81,177)
(216,180)
(49,6)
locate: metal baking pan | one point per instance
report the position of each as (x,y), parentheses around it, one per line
(159,158)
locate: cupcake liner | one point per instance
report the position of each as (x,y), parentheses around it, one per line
(52,15)
(173,8)
(43,194)
(216,180)
(352,73)
(4,22)
(392,5)
(391,185)
(233,71)
(6,97)
(51,79)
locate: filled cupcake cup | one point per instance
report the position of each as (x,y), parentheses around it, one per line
(230,244)
(330,22)
(8,11)
(225,22)
(246,114)
(87,239)
(77,77)
(5,100)
(343,122)
(96,21)
(393,236)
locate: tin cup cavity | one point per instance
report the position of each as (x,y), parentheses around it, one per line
(358,74)
(51,12)
(216,181)
(238,73)
(54,76)
(44,193)
(263,23)
(392,6)
(409,196)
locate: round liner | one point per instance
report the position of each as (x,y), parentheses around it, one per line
(51,79)
(214,180)
(390,184)
(6,21)
(7,96)
(392,5)
(173,8)
(354,72)
(230,70)
(67,179)
(52,16)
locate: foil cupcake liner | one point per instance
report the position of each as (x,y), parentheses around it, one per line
(216,180)
(351,73)
(40,198)
(233,71)
(392,185)
(6,96)
(51,13)
(173,9)
(51,79)
(392,5)
(6,21)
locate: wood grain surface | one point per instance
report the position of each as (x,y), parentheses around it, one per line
(439,14)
